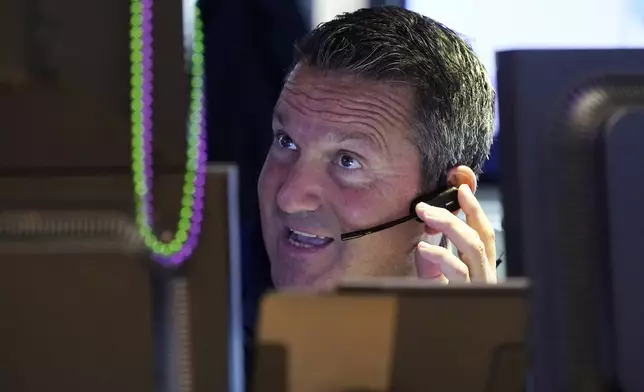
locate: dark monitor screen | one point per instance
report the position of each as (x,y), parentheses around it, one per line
(572,132)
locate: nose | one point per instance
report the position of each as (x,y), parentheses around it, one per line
(302,191)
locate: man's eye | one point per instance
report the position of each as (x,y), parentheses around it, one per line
(348,162)
(285,141)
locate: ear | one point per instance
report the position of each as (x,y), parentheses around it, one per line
(461,175)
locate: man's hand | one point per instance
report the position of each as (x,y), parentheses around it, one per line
(473,238)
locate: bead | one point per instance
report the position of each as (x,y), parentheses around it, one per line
(174,252)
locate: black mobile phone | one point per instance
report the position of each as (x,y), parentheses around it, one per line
(447,199)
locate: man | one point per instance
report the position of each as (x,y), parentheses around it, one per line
(380,106)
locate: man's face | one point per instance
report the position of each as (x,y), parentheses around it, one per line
(342,160)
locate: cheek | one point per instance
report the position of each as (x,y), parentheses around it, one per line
(361,208)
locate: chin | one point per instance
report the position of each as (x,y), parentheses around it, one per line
(301,267)
(292,280)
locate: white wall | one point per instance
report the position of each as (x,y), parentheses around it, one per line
(325,10)
(496,25)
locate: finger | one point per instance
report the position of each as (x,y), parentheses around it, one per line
(465,238)
(428,257)
(427,270)
(478,220)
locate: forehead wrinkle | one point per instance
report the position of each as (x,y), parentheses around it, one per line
(345,103)
(377,136)
(397,110)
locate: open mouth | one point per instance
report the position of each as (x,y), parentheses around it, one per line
(302,239)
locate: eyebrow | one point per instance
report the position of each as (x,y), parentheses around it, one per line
(372,139)
(362,137)
(278,117)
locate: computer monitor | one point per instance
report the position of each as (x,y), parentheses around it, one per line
(572,126)
(85,309)
(395,334)
(82,306)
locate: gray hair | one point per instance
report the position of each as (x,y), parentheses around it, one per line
(454,99)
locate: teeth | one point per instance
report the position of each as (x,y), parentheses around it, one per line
(299,244)
(303,234)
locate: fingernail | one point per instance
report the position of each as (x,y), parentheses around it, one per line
(426,249)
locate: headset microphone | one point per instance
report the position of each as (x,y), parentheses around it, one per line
(447,199)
